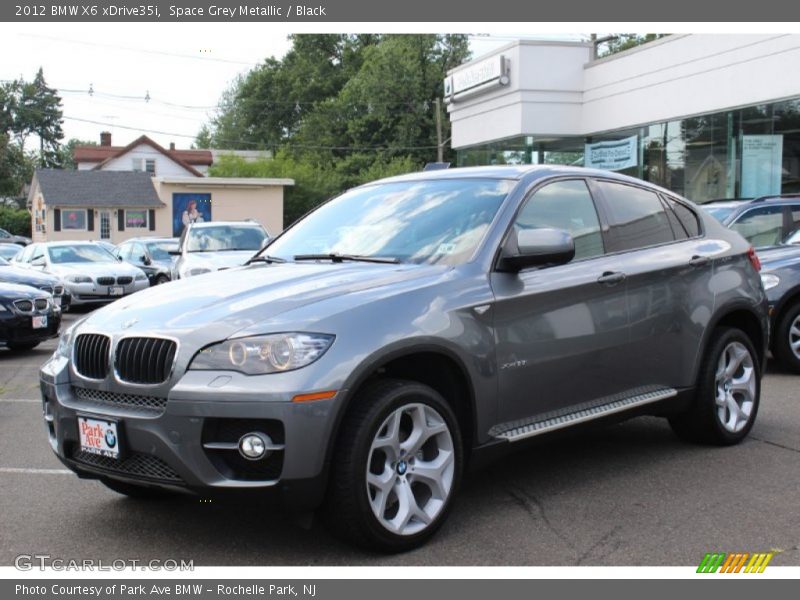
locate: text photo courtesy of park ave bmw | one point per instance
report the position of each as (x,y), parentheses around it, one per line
(478,296)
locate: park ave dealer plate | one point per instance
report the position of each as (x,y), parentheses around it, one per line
(99,436)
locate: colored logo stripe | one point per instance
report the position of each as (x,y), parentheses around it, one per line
(735,562)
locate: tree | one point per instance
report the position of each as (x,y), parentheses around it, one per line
(624,41)
(64,158)
(38,112)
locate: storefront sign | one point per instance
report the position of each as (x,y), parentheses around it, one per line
(474,78)
(613,155)
(762,161)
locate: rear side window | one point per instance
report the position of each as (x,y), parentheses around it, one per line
(762,226)
(686,216)
(637,218)
(565,205)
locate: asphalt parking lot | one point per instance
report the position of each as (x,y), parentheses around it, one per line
(628,494)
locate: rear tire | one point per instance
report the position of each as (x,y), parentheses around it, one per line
(396,469)
(139,492)
(728,392)
(787,339)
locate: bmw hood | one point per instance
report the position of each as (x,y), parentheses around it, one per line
(214,261)
(210,308)
(94,269)
(9,274)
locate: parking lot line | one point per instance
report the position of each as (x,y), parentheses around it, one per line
(35,471)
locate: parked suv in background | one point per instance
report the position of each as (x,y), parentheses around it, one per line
(208,247)
(764,222)
(151,255)
(9,238)
(781,278)
(406,326)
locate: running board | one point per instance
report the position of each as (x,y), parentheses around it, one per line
(521,432)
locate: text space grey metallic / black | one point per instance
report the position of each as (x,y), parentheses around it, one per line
(372,349)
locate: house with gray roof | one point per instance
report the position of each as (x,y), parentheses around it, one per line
(94,205)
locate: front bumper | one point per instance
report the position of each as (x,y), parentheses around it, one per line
(90,293)
(18,328)
(162,440)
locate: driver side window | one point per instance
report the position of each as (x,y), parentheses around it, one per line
(565,205)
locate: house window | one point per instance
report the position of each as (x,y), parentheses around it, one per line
(74,219)
(136,219)
(148,165)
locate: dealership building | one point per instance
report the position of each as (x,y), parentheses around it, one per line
(707,116)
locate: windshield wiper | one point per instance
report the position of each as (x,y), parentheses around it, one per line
(337,258)
(265,258)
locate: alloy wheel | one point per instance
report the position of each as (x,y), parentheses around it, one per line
(735,383)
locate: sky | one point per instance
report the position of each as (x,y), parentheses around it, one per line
(182,67)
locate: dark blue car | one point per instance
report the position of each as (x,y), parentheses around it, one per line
(765,222)
(780,275)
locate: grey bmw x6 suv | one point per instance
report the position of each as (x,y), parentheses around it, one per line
(368,352)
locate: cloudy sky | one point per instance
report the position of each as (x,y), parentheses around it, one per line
(182,67)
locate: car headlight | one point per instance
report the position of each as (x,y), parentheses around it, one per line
(64,343)
(769,280)
(79,279)
(263,354)
(141,277)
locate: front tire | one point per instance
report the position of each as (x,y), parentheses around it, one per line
(161,280)
(787,339)
(397,467)
(728,392)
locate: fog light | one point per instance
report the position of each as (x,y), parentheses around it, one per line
(253,446)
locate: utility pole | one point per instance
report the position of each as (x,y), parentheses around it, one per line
(439,143)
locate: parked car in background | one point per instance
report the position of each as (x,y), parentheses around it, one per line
(8,238)
(764,222)
(9,251)
(28,316)
(89,273)
(151,255)
(207,247)
(780,275)
(9,273)
(407,325)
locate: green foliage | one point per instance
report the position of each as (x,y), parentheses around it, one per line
(15,221)
(626,41)
(65,152)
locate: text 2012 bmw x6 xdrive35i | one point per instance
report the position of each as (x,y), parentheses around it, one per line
(366,353)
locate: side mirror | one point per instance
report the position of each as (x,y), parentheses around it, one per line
(38,262)
(144,260)
(536,248)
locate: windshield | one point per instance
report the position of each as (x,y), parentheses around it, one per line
(435,222)
(160,250)
(720,213)
(217,238)
(85,253)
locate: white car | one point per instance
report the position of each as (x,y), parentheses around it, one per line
(217,245)
(89,273)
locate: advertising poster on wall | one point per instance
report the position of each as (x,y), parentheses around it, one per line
(761,165)
(612,155)
(189,208)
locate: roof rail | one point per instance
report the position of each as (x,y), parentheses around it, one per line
(776,197)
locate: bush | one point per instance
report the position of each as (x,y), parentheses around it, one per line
(15,221)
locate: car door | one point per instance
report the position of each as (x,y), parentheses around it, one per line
(560,331)
(667,265)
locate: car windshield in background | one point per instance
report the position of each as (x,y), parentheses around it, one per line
(435,222)
(9,250)
(720,213)
(85,253)
(160,250)
(218,238)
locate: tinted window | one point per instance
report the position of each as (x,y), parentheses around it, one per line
(636,217)
(82,253)
(565,205)
(218,238)
(761,226)
(686,216)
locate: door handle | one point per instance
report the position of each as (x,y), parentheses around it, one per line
(699,261)
(611,278)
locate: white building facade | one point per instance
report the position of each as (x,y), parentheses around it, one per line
(708,116)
